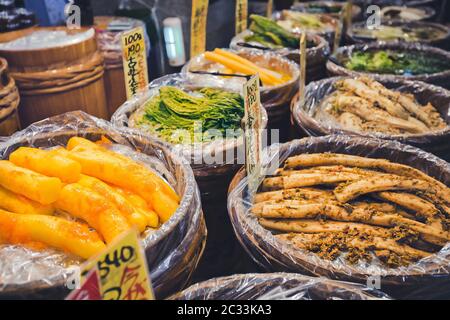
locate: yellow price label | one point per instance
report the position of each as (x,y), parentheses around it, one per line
(122,269)
(301,87)
(253,132)
(241,15)
(134,61)
(269,8)
(198,26)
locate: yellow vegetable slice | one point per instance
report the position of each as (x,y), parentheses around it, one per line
(275,76)
(47,163)
(238,67)
(135,217)
(16,203)
(121,171)
(68,236)
(32,185)
(141,205)
(96,210)
(164,206)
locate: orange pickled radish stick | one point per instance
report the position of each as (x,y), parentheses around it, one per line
(96,210)
(275,76)
(29,184)
(65,235)
(79,145)
(134,216)
(164,206)
(17,203)
(141,205)
(238,67)
(47,163)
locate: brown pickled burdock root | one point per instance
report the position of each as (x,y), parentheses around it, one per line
(335,212)
(349,191)
(330,159)
(328,170)
(351,122)
(404,100)
(421,207)
(382,207)
(314,226)
(330,245)
(307,180)
(368,112)
(370,95)
(411,202)
(294,193)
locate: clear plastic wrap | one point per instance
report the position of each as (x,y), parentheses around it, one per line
(172,251)
(335,67)
(427,28)
(304,115)
(428,278)
(209,175)
(316,56)
(109,41)
(277,286)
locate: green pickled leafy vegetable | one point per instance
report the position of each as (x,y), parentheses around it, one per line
(270,34)
(395,62)
(176,116)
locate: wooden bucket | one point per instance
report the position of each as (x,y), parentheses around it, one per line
(9,102)
(109,43)
(58,79)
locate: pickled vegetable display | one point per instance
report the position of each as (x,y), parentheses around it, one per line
(396,62)
(365,105)
(79,198)
(178,116)
(356,208)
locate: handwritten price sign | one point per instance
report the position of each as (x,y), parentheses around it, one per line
(241,15)
(122,270)
(134,61)
(198,26)
(253,132)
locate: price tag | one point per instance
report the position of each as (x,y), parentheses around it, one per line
(301,87)
(253,132)
(198,26)
(339,27)
(241,15)
(269,8)
(348,15)
(134,61)
(122,270)
(90,290)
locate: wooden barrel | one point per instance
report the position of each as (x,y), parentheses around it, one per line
(9,102)
(58,78)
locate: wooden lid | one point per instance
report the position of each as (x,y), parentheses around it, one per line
(35,59)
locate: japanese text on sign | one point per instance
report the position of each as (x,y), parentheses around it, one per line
(241,15)
(198,26)
(301,87)
(253,132)
(123,270)
(134,61)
